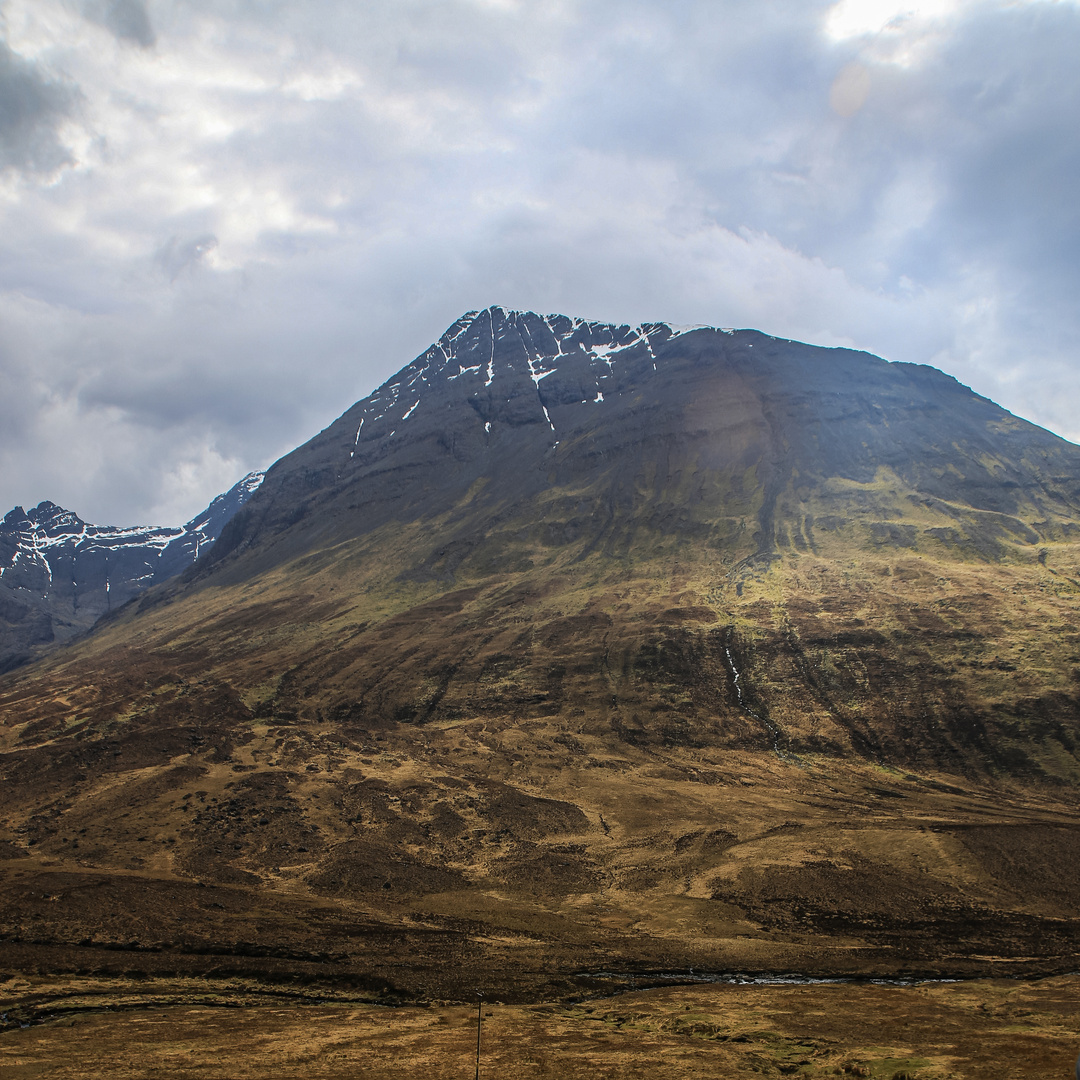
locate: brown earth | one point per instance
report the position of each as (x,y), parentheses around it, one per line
(507,784)
(424,863)
(989,1030)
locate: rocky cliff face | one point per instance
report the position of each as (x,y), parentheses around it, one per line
(59,575)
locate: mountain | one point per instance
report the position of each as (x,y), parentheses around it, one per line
(59,575)
(580,648)
(824,521)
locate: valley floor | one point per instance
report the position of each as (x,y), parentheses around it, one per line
(934,1031)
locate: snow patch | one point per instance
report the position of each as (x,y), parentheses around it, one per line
(462,371)
(491,360)
(678,331)
(602,352)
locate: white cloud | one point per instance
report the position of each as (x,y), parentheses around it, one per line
(902,32)
(859,18)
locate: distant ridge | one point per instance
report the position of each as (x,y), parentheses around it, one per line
(59,574)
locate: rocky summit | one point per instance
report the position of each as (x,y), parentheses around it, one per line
(59,575)
(573,654)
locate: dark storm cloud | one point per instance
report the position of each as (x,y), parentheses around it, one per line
(32,108)
(127,19)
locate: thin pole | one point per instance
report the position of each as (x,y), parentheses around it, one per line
(479,1009)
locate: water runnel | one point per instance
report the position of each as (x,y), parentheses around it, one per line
(773,730)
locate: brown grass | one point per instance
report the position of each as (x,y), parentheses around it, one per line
(933,1032)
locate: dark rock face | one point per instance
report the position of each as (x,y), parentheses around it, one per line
(59,575)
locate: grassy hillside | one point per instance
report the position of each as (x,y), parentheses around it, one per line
(772,665)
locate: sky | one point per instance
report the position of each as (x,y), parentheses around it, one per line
(224,221)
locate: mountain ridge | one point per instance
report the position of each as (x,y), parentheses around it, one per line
(368,427)
(766,660)
(519,442)
(59,574)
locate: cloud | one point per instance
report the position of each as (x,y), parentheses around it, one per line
(32,109)
(850,89)
(127,19)
(278,205)
(176,255)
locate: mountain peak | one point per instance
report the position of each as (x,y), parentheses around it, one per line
(50,515)
(499,356)
(525,404)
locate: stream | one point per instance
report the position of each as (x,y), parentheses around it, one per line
(650,979)
(773,730)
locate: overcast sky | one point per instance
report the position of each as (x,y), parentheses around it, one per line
(223,221)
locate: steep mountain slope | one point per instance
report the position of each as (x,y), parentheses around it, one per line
(59,575)
(763,424)
(580,646)
(668,507)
